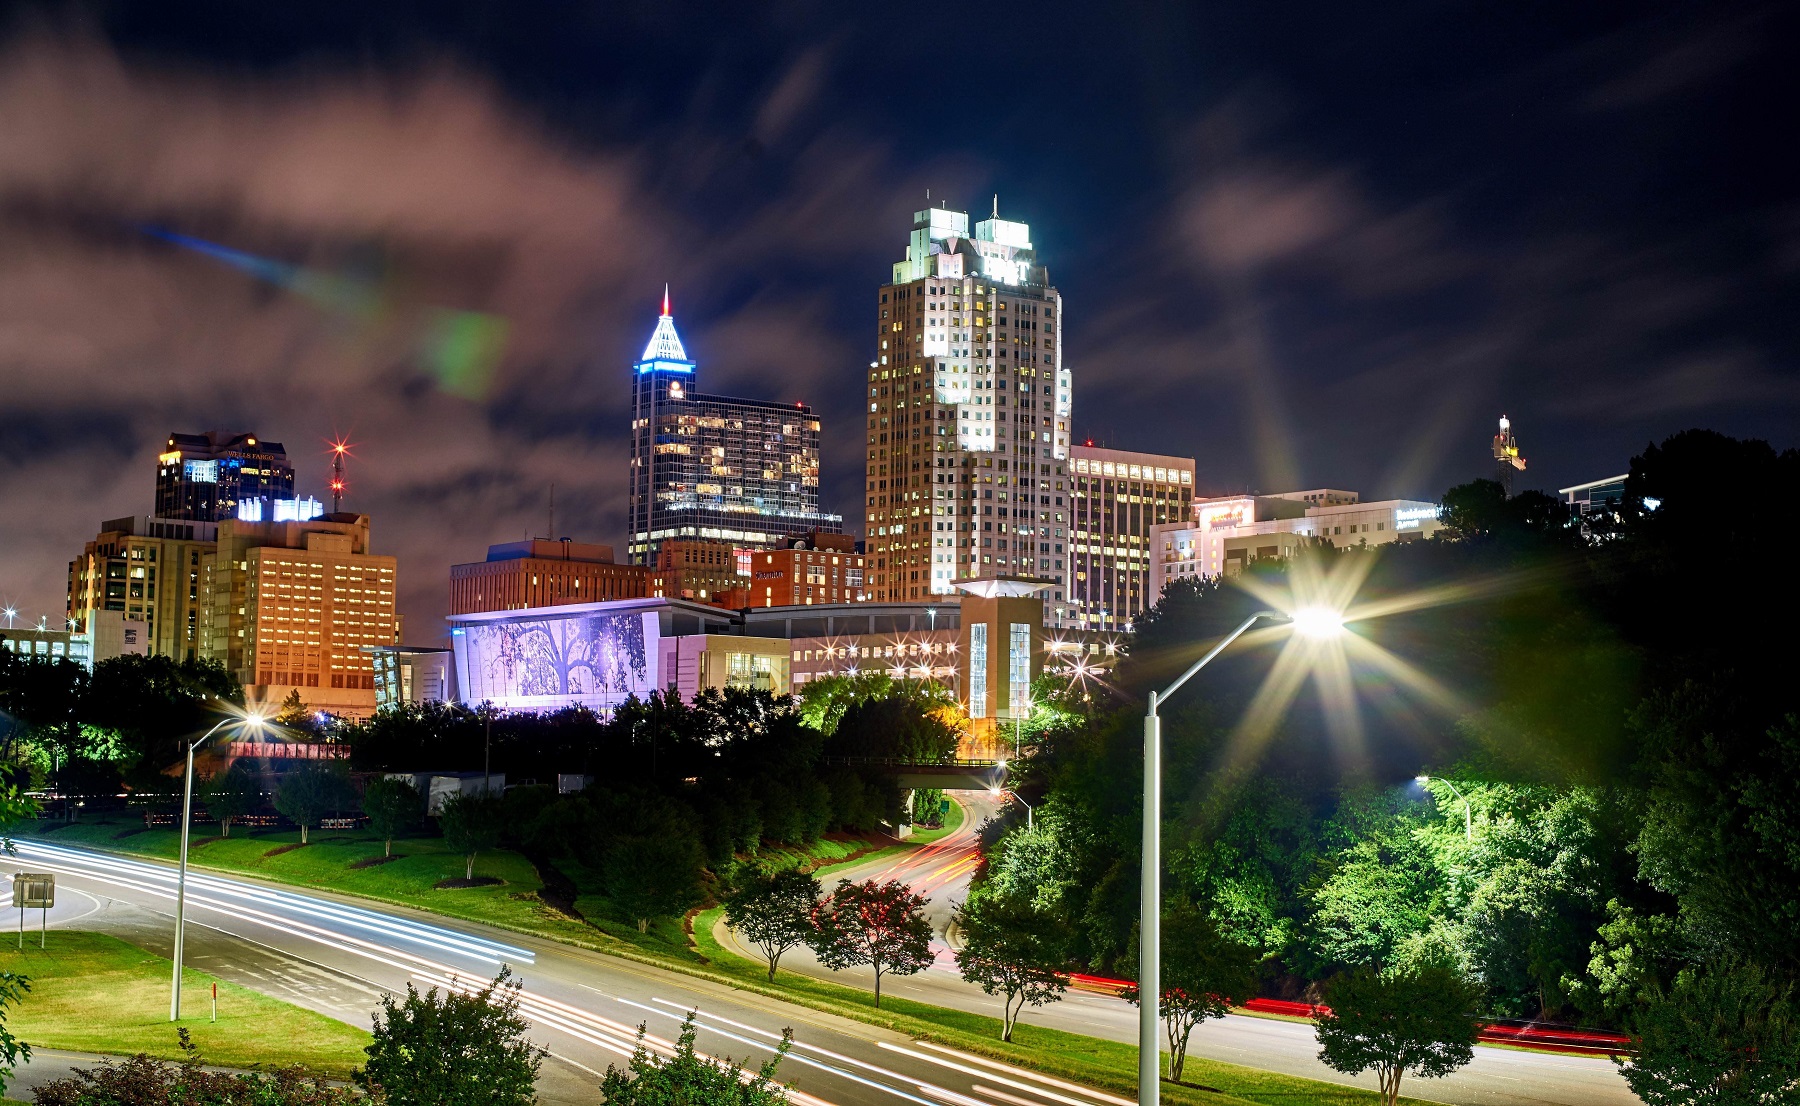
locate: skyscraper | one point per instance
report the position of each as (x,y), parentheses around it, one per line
(969,402)
(206,477)
(743,471)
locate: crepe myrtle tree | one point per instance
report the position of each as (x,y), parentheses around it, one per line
(393,806)
(471,825)
(775,913)
(1416,1019)
(879,924)
(1014,951)
(1203,974)
(310,792)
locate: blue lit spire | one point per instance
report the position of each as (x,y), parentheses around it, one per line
(665,344)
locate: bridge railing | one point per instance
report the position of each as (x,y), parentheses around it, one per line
(908,762)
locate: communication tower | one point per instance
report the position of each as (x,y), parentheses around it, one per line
(338,450)
(1506,455)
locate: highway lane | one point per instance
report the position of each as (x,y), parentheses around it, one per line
(942,870)
(337,955)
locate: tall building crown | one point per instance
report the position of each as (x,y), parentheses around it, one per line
(665,344)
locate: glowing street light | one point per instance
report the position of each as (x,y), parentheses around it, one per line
(1468,816)
(250,722)
(10,615)
(1313,622)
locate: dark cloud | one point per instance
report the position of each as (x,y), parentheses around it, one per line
(1326,251)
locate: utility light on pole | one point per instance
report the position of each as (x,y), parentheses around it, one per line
(1468,815)
(250,722)
(1313,622)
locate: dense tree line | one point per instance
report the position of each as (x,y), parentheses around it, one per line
(124,722)
(679,792)
(1605,713)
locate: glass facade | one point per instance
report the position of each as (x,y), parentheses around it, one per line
(742,471)
(1018,668)
(978,661)
(215,476)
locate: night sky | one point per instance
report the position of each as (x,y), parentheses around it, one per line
(1306,244)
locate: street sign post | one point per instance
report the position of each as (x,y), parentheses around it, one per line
(34,889)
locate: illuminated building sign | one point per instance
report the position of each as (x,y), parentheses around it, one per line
(298,510)
(200,472)
(1409,518)
(1237,512)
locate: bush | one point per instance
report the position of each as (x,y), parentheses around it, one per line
(467,1048)
(1727,1034)
(142,1081)
(687,1078)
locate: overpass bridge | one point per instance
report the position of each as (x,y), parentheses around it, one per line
(945,775)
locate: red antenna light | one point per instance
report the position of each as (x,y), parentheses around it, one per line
(340,448)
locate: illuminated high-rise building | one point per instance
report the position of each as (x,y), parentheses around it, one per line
(292,606)
(1118,497)
(968,417)
(149,570)
(215,476)
(741,471)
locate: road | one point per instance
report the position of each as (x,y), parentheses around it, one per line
(337,955)
(942,870)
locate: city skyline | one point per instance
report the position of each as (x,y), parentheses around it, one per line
(470,338)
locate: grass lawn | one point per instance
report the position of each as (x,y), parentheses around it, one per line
(94,993)
(952,821)
(326,863)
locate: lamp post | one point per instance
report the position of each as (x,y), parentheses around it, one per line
(1468,816)
(1311,622)
(254,722)
(1017,798)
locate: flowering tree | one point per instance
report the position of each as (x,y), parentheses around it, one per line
(879,924)
(1203,973)
(1013,950)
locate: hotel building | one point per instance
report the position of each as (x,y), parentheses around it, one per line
(1226,535)
(740,471)
(827,569)
(292,605)
(1118,498)
(968,416)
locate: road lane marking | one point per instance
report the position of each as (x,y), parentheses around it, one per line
(1026,1087)
(1028,1074)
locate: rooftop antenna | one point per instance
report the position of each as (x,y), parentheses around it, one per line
(338,449)
(1506,455)
(665,297)
(996,205)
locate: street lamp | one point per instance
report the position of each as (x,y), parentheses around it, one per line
(250,721)
(1017,798)
(1314,622)
(1468,816)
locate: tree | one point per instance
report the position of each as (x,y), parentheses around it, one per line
(688,1077)
(309,793)
(1204,973)
(13,989)
(1418,1019)
(647,877)
(393,806)
(471,824)
(879,924)
(1724,1034)
(1013,950)
(294,713)
(231,794)
(467,1048)
(775,913)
